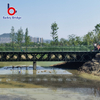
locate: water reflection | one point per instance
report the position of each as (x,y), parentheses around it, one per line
(29,70)
(53,94)
(58,81)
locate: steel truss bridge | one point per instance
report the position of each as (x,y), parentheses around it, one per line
(47,56)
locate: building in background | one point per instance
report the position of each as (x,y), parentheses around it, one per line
(36,39)
(5,38)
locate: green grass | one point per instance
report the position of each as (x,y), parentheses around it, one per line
(45,64)
(53,48)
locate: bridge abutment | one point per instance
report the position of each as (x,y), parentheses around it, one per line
(34,65)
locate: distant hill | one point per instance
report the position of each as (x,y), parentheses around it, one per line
(5,35)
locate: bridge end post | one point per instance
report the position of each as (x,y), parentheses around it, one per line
(34,65)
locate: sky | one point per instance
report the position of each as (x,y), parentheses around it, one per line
(72,16)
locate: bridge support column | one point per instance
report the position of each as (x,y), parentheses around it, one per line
(34,73)
(34,65)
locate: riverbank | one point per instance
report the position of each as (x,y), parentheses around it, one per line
(92,66)
(85,75)
(44,63)
(71,68)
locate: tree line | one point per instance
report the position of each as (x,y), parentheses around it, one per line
(20,39)
(89,39)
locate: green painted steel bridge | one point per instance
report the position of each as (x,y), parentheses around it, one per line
(69,54)
(82,56)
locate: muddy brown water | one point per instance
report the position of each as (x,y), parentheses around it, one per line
(45,84)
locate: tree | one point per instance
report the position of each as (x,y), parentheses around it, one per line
(97,28)
(54,35)
(97,33)
(19,37)
(88,39)
(12,37)
(78,40)
(62,41)
(71,39)
(27,38)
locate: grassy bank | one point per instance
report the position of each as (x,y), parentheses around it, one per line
(85,75)
(45,64)
(89,76)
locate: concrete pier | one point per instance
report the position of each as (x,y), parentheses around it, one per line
(34,65)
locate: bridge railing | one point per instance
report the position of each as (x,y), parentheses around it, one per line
(53,48)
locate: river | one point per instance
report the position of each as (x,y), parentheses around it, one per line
(46,83)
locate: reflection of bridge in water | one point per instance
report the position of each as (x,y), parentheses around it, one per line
(40,79)
(51,80)
(47,56)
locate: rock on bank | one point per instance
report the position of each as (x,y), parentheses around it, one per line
(92,66)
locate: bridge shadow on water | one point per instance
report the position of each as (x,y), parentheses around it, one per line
(69,65)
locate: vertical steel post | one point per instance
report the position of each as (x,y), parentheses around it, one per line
(34,65)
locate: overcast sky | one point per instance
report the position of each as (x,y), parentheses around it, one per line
(72,16)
